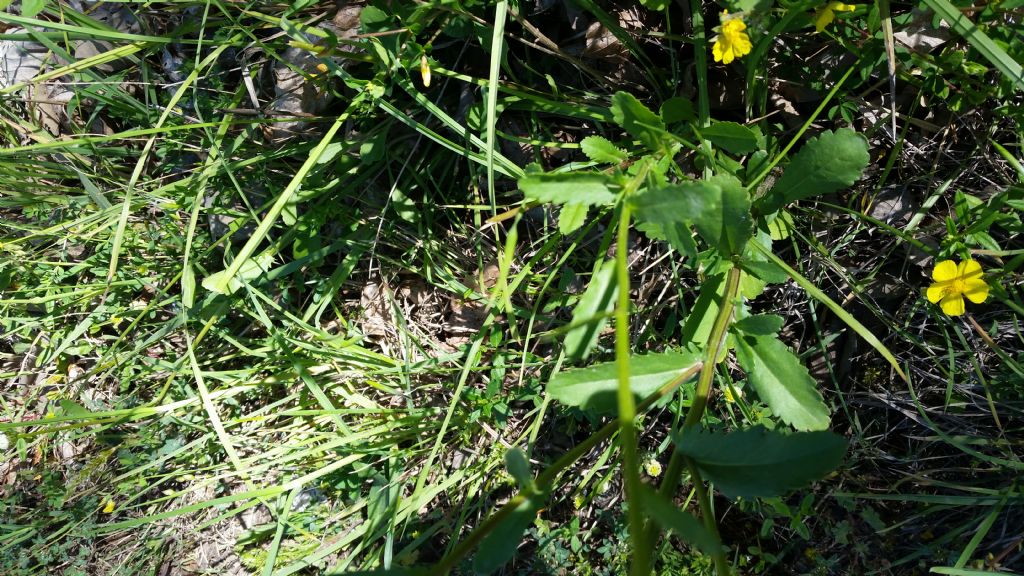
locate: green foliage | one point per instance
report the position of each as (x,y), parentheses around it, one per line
(593,387)
(500,545)
(590,316)
(733,137)
(354,342)
(670,518)
(832,161)
(602,150)
(757,462)
(638,121)
(780,380)
(581,188)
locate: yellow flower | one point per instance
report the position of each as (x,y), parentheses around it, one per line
(109,507)
(953,282)
(653,468)
(425,70)
(729,396)
(825,15)
(733,42)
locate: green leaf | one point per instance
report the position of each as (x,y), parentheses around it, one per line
(758,273)
(698,324)
(670,205)
(188,286)
(677,109)
(816,293)
(733,137)
(592,312)
(519,468)
(253,268)
(69,408)
(600,149)
(501,544)
(782,382)
(30,8)
(595,387)
(718,207)
(572,216)
(724,219)
(678,235)
(760,463)
(766,271)
(667,515)
(759,325)
(638,120)
(781,226)
(832,161)
(584,188)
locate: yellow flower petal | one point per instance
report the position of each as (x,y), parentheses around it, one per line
(937,291)
(822,18)
(109,507)
(969,269)
(953,305)
(976,290)
(718,51)
(944,271)
(733,42)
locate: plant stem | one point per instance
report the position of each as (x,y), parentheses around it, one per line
(704,499)
(627,406)
(674,471)
(547,478)
(714,347)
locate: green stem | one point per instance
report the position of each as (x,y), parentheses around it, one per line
(674,471)
(548,477)
(704,498)
(627,406)
(716,340)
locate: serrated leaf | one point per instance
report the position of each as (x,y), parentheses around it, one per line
(638,120)
(583,188)
(594,387)
(667,515)
(761,463)
(782,382)
(591,313)
(572,217)
(759,325)
(830,162)
(600,149)
(672,204)
(724,221)
(501,544)
(718,207)
(733,137)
